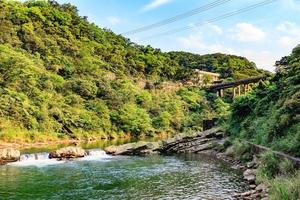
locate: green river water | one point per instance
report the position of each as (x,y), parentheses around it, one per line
(100,176)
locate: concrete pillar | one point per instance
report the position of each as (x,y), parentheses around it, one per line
(220,93)
(234,92)
(239,90)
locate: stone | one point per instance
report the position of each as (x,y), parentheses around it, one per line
(210,133)
(245,194)
(170,141)
(205,146)
(252,186)
(250,164)
(249,175)
(261,188)
(138,148)
(9,155)
(68,152)
(111,149)
(236,194)
(250,178)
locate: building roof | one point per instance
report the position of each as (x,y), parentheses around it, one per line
(206,72)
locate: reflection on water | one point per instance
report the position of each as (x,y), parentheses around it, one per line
(121,177)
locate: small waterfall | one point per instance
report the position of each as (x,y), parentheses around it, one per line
(34,157)
(96,154)
(42,159)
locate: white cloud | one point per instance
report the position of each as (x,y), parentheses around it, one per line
(263,59)
(291,4)
(113,20)
(289,27)
(195,43)
(246,32)
(216,29)
(286,41)
(289,34)
(155,4)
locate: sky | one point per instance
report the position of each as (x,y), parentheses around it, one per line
(262,35)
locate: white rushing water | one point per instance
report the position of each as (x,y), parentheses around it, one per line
(42,159)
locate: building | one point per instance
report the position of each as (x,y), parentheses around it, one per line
(205,77)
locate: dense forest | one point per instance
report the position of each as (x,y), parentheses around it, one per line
(270,115)
(60,72)
(230,67)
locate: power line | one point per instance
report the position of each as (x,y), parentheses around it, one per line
(219,18)
(178,17)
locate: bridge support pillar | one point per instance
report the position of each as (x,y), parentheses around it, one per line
(239,90)
(220,93)
(234,92)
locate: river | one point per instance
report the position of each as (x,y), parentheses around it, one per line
(100,176)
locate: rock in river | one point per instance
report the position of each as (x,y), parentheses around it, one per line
(9,155)
(138,148)
(68,152)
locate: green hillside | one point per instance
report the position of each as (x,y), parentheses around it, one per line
(57,70)
(270,116)
(229,66)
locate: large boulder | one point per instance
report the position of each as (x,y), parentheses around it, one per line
(138,148)
(68,152)
(9,155)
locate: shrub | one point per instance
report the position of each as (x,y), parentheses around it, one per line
(242,151)
(286,167)
(269,166)
(163,120)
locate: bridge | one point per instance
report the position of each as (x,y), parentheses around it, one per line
(239,86)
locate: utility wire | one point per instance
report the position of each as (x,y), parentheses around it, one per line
(178,17)
(219,18)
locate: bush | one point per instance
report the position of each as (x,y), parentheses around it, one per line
(242,151)
(286,167)
(269,166)
(163,120)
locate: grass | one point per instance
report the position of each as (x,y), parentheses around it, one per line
(285,188)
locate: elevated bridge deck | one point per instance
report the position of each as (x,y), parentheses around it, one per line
(233,84)
(236,85)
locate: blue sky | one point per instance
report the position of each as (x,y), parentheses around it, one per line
(262,35)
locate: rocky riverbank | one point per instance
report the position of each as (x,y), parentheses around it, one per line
(209,142)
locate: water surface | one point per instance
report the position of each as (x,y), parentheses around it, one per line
(100,176)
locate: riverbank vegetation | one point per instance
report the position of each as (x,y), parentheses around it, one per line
(269,116)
